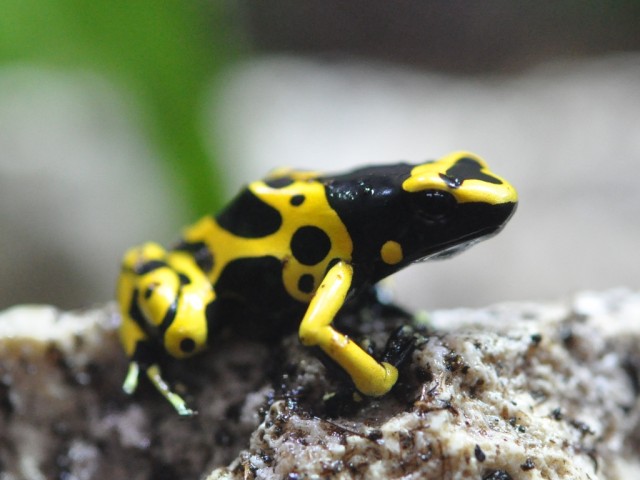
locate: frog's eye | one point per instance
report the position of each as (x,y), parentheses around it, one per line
(434,205)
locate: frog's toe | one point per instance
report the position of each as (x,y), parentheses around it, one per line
(400,345)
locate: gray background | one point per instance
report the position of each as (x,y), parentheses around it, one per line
(547,98)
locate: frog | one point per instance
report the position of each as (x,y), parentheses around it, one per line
(294,249)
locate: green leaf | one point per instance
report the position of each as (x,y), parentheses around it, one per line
(165,53)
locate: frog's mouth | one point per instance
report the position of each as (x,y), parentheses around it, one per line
(463,245)
(474,223)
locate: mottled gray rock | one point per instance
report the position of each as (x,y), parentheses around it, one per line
(521,391)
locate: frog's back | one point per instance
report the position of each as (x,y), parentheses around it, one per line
(273,243)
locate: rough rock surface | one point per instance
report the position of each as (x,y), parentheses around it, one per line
(513,391)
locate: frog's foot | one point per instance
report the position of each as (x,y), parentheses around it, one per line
(155,376)
(131,381)
(400,346)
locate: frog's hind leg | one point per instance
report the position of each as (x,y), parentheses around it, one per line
(368,375)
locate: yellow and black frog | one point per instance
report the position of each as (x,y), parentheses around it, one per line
(295,248)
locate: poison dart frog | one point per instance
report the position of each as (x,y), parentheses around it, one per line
(296,247)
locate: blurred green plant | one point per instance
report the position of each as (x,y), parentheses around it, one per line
(165,53)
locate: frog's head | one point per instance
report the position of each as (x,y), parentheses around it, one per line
(454,202)
(168,297)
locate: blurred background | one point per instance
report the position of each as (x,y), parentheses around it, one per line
(123,122)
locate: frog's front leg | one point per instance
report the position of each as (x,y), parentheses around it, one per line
(369,376)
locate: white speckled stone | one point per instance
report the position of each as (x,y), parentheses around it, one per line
(520,391)
(501,402)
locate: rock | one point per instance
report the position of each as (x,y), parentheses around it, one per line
(513,391)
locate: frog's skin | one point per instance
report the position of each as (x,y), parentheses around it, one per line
(295,247)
